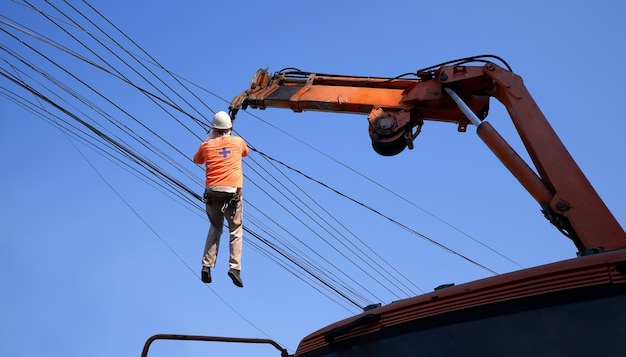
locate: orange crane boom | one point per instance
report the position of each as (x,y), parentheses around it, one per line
(456,93)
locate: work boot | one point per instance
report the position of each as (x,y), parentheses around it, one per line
(235,276)
(206,275)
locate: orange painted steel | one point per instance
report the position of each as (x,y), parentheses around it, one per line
(396,106)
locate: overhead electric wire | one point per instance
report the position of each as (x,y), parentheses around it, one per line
(304,268)
(94,64)
(153,61)
(157,171)
(66,50)
(126,150)
(387,217)
(395,194)
(327,226)
(385,272)
(21,103)
(112,68)
(100,134)
(85,122)
(308,227)
(163,241)
(251,232)
(113,144)
(322,225)
(305,278)
(89,140)
(110,118)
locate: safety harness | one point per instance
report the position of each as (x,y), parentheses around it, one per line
(223,199)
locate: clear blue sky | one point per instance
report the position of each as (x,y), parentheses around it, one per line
(95,258)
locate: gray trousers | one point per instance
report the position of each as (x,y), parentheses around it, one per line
(234,217)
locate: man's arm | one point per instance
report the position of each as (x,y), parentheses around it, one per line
(244,149)
(199,158)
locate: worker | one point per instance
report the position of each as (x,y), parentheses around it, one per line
(222,154)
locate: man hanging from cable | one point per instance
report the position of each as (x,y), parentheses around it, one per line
(222,153)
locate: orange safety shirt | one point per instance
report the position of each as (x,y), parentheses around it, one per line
(222,157)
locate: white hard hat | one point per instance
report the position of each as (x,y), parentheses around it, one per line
(221,120)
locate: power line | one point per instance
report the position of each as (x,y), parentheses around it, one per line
(158,97)
(386,217)
(82,82)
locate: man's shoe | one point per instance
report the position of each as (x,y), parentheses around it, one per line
(206,275)
(235,276)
